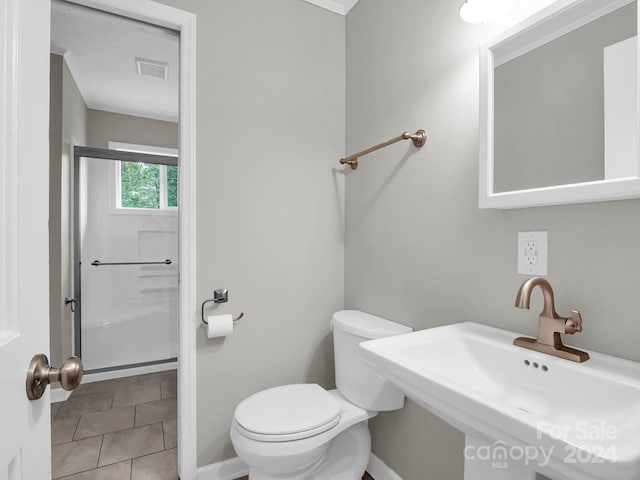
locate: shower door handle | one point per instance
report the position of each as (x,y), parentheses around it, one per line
(40,374)
(72,301)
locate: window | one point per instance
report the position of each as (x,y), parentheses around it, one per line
(146,185)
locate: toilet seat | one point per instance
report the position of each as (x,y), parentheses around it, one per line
(287,413)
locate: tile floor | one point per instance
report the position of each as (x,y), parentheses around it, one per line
(124,429)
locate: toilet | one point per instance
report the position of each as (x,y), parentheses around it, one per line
(304,432)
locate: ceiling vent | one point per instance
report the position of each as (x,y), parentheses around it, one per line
(151,68)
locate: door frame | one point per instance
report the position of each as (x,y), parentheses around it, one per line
(188,322)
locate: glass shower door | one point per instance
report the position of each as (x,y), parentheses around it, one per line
(128,235)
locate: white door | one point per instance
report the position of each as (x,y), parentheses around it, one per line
(25,443)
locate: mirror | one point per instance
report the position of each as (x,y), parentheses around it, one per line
(559,107)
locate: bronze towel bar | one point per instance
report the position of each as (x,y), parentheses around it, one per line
(419,139)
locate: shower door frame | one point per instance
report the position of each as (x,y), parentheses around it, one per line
(188,322)
(107,155)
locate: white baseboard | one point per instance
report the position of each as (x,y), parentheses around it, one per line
(59,395)
(225,470)
(128,372)
(379,470)
(236,468)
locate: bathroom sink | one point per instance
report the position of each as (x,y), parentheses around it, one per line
(582,419)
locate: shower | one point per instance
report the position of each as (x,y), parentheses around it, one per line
(125,259)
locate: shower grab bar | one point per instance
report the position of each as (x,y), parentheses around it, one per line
(98,263)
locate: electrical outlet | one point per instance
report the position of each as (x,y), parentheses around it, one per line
(532,253)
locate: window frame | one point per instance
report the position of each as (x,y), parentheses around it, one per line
(164,191)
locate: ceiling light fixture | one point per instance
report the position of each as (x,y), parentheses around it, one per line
(485,11)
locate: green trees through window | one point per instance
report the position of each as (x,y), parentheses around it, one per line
(148,185)
(172,186)
(140,185)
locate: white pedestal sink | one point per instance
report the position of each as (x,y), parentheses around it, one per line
(488,461)
(522,411)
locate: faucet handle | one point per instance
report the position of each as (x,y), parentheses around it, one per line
(573,324)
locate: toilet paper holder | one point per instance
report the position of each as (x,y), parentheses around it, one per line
(219,296)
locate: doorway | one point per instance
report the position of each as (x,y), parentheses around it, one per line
(141,382)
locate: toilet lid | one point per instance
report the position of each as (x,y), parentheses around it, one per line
(289,409)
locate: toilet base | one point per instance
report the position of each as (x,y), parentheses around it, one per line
(346,459)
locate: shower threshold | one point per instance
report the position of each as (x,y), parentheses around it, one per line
(120,371)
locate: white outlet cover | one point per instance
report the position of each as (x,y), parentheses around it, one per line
(533,252)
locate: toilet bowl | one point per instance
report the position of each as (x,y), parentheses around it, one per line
(304,432)
(301,451)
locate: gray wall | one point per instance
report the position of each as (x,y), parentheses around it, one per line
(68,124)
(549,108)
(419,251)
(270,225)
(107,126)
(74,132)
(55,163)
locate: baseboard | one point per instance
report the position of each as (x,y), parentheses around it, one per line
(225,470)
(59,395)
(236,468)
(379,470)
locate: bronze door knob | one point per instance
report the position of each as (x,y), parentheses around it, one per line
(40,374)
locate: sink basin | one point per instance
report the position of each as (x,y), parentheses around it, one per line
(582,418)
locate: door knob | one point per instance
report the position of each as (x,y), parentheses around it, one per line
(40,374)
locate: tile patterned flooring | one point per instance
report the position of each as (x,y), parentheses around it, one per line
(124,429)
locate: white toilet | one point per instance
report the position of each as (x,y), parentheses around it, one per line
(304,432)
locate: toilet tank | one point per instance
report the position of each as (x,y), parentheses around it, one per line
(355,380)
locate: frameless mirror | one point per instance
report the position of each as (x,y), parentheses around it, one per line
(559,107)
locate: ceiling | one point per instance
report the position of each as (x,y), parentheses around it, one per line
(101,51)
(338,6)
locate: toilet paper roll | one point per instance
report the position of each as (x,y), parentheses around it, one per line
(219,325)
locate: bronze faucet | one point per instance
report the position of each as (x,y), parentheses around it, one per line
(550,324)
